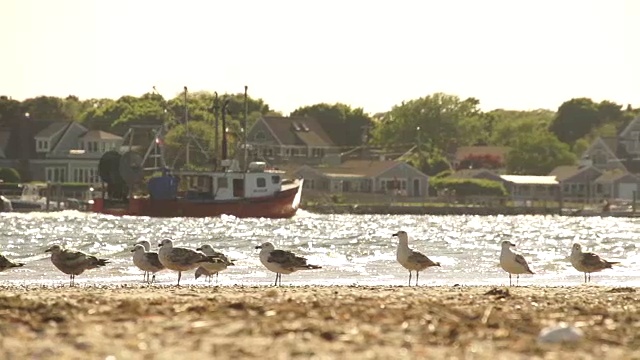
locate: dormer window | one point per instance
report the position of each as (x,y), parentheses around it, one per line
(42,145)
(260,136)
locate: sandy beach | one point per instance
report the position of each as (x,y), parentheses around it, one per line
(168,322)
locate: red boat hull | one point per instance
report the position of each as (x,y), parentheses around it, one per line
(283,204)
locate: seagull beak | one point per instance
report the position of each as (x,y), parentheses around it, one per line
(134,250)
(512,244)
(199,249)
(259,247)
(396,234)
(48,250)
(159,244)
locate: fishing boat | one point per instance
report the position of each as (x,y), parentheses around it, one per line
(255,191)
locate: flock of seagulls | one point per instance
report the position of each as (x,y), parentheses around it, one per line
(208,262)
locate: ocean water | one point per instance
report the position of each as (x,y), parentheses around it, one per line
(352,249)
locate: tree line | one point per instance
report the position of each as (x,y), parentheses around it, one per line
(435,124)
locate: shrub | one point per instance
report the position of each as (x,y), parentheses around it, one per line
(469,187)
(9,175)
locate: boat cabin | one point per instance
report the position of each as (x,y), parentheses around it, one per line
(256,182)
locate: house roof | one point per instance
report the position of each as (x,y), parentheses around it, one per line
(52,129)
(611,176)
(358,168)
(297,131)
(464,151)
(563,172)
(471,173)
(99,135)
(530,179)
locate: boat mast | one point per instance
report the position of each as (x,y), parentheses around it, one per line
(216,112)
(186,122)
(225,102)
(244,129)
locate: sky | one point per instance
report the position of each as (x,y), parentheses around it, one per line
(519,55)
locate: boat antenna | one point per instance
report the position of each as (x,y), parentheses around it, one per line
(225,102)
(186,122)
(244,127)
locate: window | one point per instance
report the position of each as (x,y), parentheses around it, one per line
(261,182)
(275,179)
(223,183)
(56,174)
(103,147)
(42,145)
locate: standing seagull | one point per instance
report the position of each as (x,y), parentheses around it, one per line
(410,259)
(8,264)
(73,262)
(147,247)
(282,262)
(147,261)
(513,263)
(181,259)
(588,262)
(212,268)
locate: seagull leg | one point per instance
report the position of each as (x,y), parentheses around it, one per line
(179,276)
(153,278)
(517,279)
(217,278)
(409,277)
(276,283)
(417,274)
(509,279)
(585,278)
(589,277)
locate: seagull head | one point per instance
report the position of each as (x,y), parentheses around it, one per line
(54,249)
(402,236)
(576,248)
(138,247)
(507,244)
(205,247)
(266,246)
(166,242)
(144,243)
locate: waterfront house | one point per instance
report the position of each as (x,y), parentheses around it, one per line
(299,140)
(367,176)
(523,188)
(620,152)
(56,151)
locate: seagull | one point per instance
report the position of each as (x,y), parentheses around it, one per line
(147,247)
(146,261)
(513,263)
(410,259)
(282,262)
(8,264)
(212,268)
(181,259)
(73,262)
(588,262)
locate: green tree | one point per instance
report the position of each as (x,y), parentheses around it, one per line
(10,111)
(506,124)
(538,154)
(577,118)
(200,145)
(344,125)
(436,121)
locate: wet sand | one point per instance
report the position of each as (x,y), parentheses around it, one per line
(168,322)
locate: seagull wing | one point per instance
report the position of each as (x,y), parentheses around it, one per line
(152,258)
(187,256)
(520,260)
(419,258)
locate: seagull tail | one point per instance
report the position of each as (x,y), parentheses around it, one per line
(102,262)
(609,264)
(199,272)
(18,265)
(313,267)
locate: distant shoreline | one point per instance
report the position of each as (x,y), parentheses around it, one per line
(455,210)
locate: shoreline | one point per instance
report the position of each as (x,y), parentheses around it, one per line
(356,209)
(325,322)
